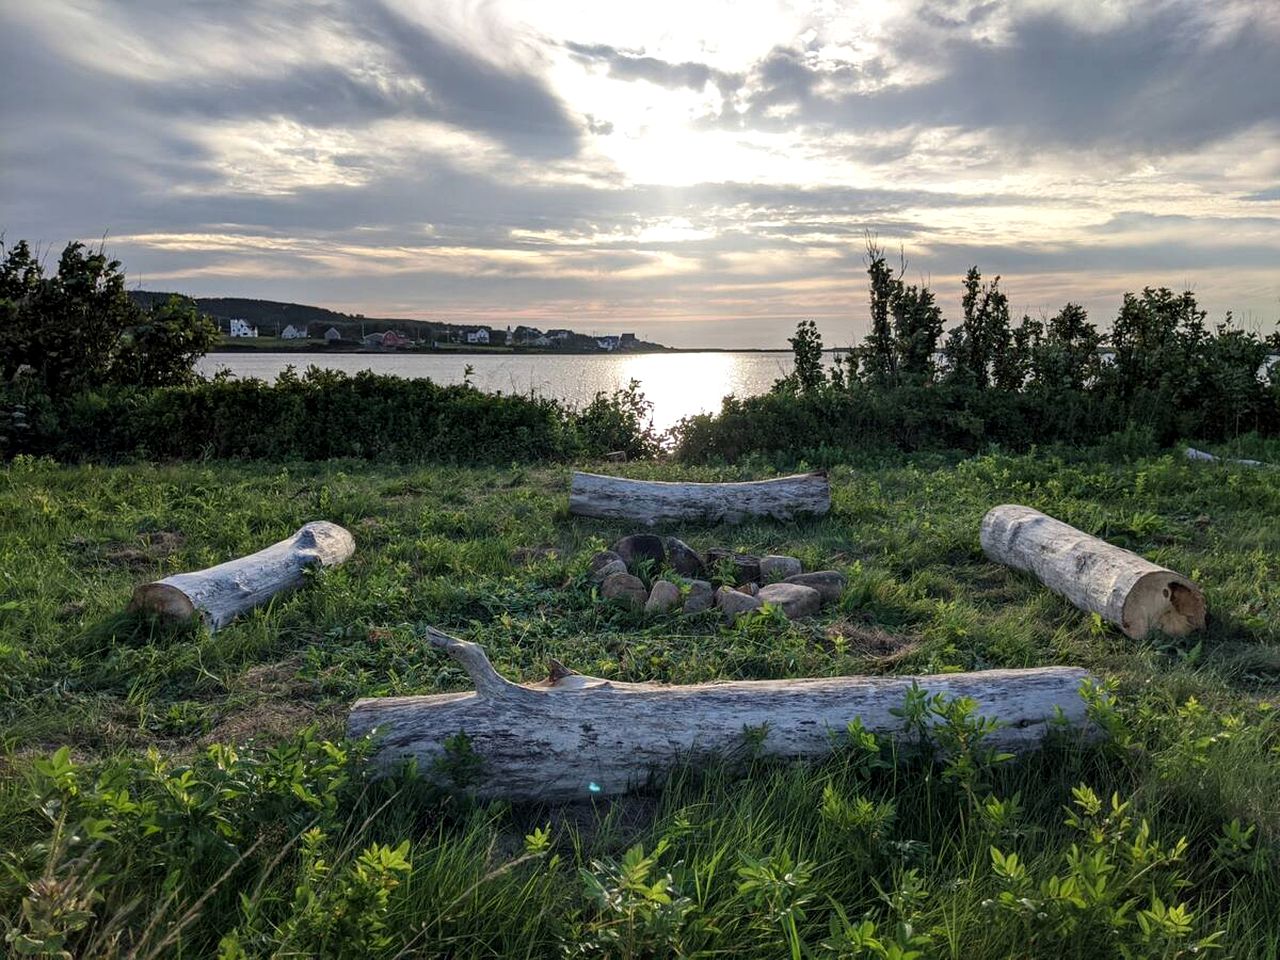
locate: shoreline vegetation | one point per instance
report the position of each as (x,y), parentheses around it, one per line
(168,793)
(275,345)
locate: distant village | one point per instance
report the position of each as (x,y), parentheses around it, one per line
(253,324)
(434,336)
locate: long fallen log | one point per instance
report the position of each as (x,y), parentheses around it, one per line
(653,501)
(574,736)
(221,593)
(1123,588)
(1194,454)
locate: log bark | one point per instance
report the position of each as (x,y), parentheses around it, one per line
(221,593)
(573,736)
(651,501)
(1123,588)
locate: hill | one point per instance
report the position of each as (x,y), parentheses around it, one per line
(271,317)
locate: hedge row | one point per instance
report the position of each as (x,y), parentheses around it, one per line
(316,416)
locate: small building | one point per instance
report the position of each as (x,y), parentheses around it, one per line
(480,335)
(293,333)
(559,334)
(332,335)
(607,343)
(395,340)
(242,328)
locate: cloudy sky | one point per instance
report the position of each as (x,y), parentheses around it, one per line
(701,172)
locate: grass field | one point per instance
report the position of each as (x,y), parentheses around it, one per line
(146,836)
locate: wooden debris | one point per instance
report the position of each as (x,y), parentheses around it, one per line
(221,593)
(1123,588)
(651,502)
(572,737)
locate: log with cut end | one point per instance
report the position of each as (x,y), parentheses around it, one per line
(574,736)
(1136,595)
(653,501)
(221,593)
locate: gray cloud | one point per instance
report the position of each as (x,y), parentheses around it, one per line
(410,71)
(634,65)
(1153,83)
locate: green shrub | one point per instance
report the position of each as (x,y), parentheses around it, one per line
(318,415)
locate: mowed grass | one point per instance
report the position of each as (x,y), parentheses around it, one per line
(784,860)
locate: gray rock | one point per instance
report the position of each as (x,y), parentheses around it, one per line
(775,567)
(683,558)
(795,600)
(732,603)
(639,547)
(829,583)
(608,570)
(602,559)
(700,598)
(750,589)
(625,588)
(746,566)
(664,596)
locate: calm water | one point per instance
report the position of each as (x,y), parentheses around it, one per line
(678,384)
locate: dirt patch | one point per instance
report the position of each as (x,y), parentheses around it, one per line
(869,640)
(274,679)
(523,556)
(268,721)
(145,551)
(72,610)
(618,820)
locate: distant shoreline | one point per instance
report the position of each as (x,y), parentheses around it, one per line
(469,350)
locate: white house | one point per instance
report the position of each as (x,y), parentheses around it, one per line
(607,343)
(478,336)
(242,328)
(293,333)
(332,335)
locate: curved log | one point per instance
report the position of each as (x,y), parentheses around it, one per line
(1136,595)
(653,501)
(221,593)
(573,736)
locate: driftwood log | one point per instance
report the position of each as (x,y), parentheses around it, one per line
(1136,595)
(221,593)
(653,501)
(1194,454)
(574,736)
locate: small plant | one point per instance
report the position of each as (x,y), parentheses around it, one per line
(638,910)
(459,764)
(777,886)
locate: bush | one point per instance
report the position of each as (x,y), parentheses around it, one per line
(318,415)
(78,330)
(1167,377)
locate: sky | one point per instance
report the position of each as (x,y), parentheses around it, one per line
(702,173)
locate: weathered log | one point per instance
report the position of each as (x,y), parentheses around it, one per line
(1194,454)
(1123,588)
(653,501)
(574,736)
(221,593)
